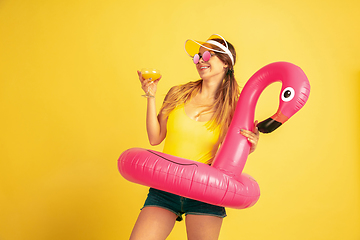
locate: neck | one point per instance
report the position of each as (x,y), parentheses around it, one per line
(209,87)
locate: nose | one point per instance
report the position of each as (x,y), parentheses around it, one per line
(201,60)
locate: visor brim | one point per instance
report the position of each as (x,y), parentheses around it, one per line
(192,46)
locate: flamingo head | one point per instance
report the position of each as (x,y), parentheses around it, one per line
(294,94)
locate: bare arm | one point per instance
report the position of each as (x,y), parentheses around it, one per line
(155,124)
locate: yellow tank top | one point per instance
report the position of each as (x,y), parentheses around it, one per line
(190,139)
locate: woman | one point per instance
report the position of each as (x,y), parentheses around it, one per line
(194,119)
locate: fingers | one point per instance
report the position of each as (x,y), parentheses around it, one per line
(256,130)
(146,83)
(140,76)
(249,134)
(252,136)
(157,80)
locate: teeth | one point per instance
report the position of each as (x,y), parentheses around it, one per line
(203,67)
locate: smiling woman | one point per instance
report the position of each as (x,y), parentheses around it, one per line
(68,98)
(193,121)
(209,66)
(216,72)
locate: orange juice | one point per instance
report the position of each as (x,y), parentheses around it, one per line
(150,73)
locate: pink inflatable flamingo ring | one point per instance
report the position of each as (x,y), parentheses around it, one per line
(223,183)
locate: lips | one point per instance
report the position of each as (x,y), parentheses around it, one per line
(203,67)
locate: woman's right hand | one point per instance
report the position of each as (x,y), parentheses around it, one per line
(148,85)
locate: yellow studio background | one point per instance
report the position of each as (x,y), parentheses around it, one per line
(70,104)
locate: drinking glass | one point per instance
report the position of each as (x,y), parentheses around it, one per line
(150,73)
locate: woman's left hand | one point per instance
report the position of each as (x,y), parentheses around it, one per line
(252,136)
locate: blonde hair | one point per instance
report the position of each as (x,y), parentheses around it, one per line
(226,96)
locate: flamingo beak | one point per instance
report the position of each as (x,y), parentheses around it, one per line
(272,123)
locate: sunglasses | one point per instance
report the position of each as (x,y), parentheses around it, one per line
(205,56)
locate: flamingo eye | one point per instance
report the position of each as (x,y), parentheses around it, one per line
(288,94)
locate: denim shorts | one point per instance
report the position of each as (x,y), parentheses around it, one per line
(181,205)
